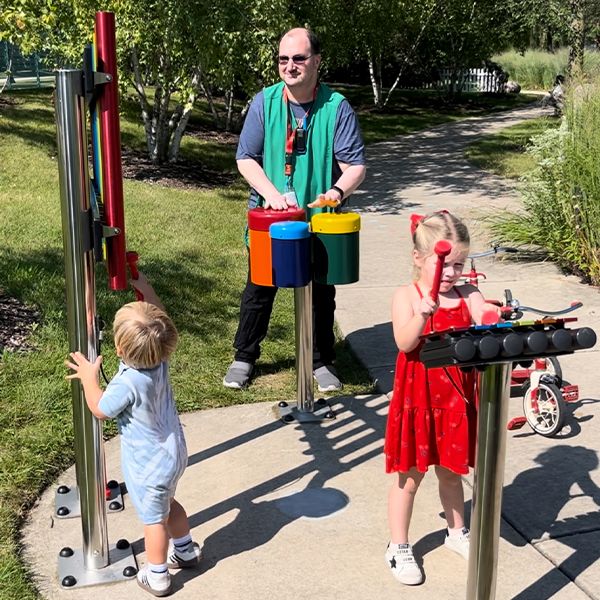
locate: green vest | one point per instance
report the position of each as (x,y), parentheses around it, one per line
(312,170)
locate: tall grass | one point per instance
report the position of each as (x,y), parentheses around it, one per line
(561,194)
(536,70)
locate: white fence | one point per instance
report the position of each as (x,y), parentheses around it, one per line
(473,80)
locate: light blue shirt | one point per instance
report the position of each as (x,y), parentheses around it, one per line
(153,449)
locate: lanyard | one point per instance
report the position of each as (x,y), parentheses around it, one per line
(291,133)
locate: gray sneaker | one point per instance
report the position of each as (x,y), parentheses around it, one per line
(238,375)
(327,379)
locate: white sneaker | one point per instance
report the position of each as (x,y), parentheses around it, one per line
(158,584)
(176,559)
(459,543)
(400,559)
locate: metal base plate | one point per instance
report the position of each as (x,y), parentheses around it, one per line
(66,501)
(72,573)
(288,412)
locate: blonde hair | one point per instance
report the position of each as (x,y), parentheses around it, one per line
(440,225)
(144,334)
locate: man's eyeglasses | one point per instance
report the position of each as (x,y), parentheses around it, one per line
(297,59)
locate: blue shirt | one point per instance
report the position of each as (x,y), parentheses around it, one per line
(153,449)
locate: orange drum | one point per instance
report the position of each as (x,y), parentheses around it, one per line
(259,220)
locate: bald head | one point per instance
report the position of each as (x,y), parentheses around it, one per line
(301,32)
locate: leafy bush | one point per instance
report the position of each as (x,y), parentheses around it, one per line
(536,70)
(561,194)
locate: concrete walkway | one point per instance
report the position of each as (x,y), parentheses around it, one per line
(299,511)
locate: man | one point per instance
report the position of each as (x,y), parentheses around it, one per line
(300,143)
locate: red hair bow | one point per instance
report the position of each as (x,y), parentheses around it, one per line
(414,222)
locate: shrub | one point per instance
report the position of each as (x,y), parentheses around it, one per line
(561,194)
(536,70)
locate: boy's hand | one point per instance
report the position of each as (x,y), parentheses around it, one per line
(85,371)
(142,285)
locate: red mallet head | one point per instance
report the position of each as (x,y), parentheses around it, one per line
(442,249)
(132,259)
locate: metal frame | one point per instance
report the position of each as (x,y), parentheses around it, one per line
(304,409)
(88,566)
(494,394)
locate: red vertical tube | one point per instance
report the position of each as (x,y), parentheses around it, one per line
(110,141)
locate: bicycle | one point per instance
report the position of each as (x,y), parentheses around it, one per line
(540,381)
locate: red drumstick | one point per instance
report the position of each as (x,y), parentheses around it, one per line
(442,249)
(132,258)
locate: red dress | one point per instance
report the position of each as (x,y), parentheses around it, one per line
(432,416)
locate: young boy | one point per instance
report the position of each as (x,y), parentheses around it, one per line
(153,449)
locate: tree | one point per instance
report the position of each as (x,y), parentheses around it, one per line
(25,22)
(169,51)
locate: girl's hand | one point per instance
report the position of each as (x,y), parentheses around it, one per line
(489,314)
(85,371)
(427,306)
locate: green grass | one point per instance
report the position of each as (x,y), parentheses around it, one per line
(504,153)
(190,244)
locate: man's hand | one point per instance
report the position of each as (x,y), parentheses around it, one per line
(330,198)
(278,202)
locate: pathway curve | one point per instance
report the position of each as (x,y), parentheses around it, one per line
(426,171)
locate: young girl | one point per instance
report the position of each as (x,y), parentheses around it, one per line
(432,414)
(153,449)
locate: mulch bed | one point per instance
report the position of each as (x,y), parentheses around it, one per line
(16,323)
(18,320)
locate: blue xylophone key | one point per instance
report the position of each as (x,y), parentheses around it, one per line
(495,326)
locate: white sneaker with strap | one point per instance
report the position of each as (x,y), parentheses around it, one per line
(401,561)
(459,543)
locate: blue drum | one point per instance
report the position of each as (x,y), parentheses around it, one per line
(290,253)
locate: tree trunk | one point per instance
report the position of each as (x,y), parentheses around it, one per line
(409,54)
(184,117)
(229,108)
(138,84)
(576,40)
(375,82)
(211,104)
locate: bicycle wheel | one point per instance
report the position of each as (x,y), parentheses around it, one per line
(553,367)
(547,412)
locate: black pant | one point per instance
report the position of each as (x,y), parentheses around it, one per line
(255,313)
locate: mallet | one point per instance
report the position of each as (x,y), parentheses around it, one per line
(442,249)
(132,257)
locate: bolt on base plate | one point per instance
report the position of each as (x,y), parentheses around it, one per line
(66,500)
(288,412)
(72,573)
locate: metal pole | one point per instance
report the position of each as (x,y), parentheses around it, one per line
(489,475)
(304,348)
(81,308)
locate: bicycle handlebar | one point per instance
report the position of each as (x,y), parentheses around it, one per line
(514,306)
(494,250)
